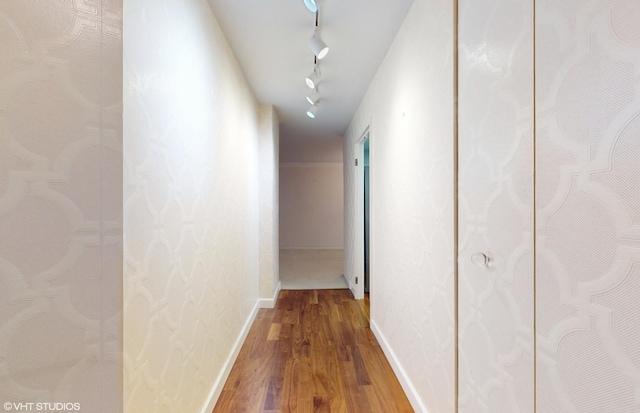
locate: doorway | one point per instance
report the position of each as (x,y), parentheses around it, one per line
(361,282)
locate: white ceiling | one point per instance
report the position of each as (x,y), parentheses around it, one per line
(270,39)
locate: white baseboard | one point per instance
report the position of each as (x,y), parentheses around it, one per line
(270,302)
(216,389)
(351,286)
(405,381)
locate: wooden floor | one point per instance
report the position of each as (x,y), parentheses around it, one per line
(313,353)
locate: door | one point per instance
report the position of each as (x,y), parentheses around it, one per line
(495,215)
(588,206)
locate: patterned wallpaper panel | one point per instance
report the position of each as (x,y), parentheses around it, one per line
(495,195)
(269,202)
(588,205)
(409,107)
(61,203)
(191,229)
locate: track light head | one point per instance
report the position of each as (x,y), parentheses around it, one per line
(319,48)
(313,97)
(311,5)
(313,79)
(312,111)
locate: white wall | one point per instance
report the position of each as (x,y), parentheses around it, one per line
(311,190)
(269,201)
(311,206)
(61,203)
(409,107)
(191,140)
(302,147)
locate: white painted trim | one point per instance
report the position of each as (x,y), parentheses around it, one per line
(216,389)
(405,381)
(270,302)
(358,289)
(350,284)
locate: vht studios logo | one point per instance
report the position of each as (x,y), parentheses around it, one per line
(41,407)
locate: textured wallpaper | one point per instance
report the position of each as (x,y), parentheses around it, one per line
(269,202)
(61,204)
(409,107)
(588,206)
(191,244)
(495,195)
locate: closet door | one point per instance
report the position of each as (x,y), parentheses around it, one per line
(496,349)
(588,206)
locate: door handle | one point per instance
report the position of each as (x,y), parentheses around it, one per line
(480,259)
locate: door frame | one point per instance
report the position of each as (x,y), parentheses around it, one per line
(357,289)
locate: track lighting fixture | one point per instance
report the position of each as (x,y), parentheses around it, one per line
(319,48)
(311,5)
(313,79)
(313,97)
(312,111)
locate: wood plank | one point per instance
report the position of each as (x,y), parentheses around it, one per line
(313,353)
(358,363)
(305,386)
(290,317)
(274,332)
(289,402)
(314,297)
(321,404)
(276,382)
(355,396)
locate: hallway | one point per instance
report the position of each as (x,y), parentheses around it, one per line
(149,182)
(314,352)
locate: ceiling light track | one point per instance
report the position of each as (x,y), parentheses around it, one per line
(320,50)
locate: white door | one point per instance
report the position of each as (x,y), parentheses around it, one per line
(588,206)
(495,218)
